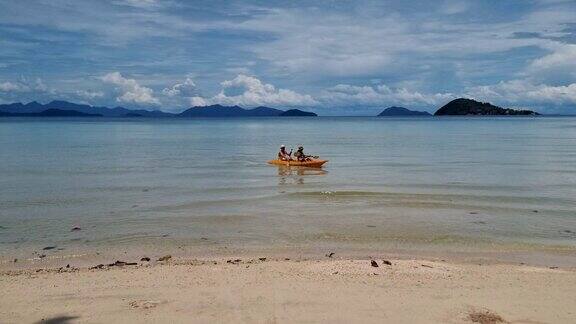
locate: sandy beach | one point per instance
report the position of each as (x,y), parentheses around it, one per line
(254,290)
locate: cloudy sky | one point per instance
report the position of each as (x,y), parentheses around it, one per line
(333,57)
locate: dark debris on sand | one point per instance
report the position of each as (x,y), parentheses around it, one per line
(165,258)
(485,317)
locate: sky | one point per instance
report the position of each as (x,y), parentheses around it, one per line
(331,57)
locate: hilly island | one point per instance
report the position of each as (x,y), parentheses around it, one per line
(57,108)
(467,107)
(401,111)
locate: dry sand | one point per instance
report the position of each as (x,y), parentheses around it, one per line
(287,291)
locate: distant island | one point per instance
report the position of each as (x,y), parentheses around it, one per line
(229,111)
(50,113)
(466,107)
(69,109)
(37,108)
(401,111)
(297,112)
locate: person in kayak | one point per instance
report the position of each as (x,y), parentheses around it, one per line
(300,156)
(283,155)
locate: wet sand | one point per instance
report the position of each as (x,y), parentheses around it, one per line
(329,290)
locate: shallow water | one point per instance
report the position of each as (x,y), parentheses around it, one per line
(409,183)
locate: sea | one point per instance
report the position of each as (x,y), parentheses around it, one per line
(458,184)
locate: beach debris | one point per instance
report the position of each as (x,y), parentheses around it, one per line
(15,260)
(144,304)
(473,213)
(553,267)
(67,269)
(204,238)
(335,272)
(485,317)
(42,256)
(121,263)
(427,266)
(100,266)
(331,254)
(145,259)
(286,259)
(262,259)
(374,263)
(386,262)
(534,211)
(236,261)
(49,248)
(75,229)
(165,258)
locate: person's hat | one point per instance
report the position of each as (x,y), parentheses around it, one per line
(300,147)
(282,146)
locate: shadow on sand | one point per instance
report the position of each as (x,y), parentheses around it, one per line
(57,320)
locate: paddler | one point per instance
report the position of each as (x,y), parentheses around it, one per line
(300,155)
(283,155)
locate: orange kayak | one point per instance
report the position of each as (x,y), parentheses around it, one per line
(310,164)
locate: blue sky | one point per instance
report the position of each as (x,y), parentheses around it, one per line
(333,57)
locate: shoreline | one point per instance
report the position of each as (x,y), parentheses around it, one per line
(332,289)
(86,258)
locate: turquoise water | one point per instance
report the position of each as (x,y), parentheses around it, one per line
(415,183)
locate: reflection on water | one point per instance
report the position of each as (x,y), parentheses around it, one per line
(295,174)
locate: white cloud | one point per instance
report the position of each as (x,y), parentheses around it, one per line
(12,87)
(523,92)
(24,85)
(139,3)
(326,43)
(186,89)
(89,95)
(198,101)
(132,92)
(246,90)
(451,7)
(378,95)
(561,62)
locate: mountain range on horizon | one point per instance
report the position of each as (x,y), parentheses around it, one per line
(65,108)
(58,108)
